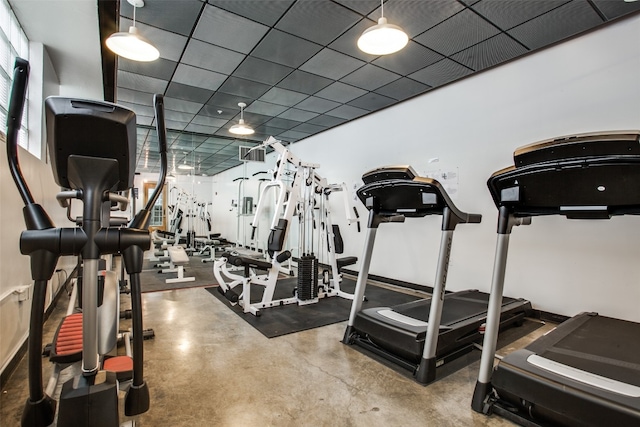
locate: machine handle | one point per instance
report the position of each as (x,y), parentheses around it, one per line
(474,218)
(141,220)
(14,119)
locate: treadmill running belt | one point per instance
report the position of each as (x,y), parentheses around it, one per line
(599,346)
(469,305)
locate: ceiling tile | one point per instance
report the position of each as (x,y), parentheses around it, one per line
(614,9)
(189,93)
(211,57)
(266,12)
(372,101)
(266,108)
(440,73)
(301,81)
(262,71)
(317,105)
(181,105)
(410,59)
(175,16)
(292,136)
(178,116)
(243,88)
(317,21)
(298,115)
(457,33)
(209,121)
(562,22)
(212,111)
(194,76)
(340,92)
(222,28)
(363,7)
(309,128)
(331,64)
(285,97)
(134,96)
(140,110)
(370,77)
(281,123)
(285,49)
(254,119)
(208,130)
(171,124)
(144,121)
(347,112)
(417,16)
(490,52)
(141,83)
(402,89)
(227,103)
(509,13)
(160,69)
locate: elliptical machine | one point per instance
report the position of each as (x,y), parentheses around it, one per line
(92,146)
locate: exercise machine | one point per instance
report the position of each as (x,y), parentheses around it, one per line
(293,198)
(92,147)
(585,372)
(420,335)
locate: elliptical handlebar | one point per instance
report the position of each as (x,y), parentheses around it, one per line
(14,119)
(141,220)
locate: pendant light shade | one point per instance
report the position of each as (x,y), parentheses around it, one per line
(241,128)
(131,44)
(383,38)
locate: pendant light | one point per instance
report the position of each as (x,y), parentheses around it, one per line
(241,128)
(132,45)
(383,38)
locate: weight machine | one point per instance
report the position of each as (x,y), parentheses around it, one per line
(297,197)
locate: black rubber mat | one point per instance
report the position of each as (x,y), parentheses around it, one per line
(287,319)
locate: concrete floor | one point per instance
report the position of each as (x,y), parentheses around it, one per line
(206,367)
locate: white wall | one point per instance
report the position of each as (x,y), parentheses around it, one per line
(473,126)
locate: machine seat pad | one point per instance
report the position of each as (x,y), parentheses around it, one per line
(67,342)
(122,366)
(239,260)
(178,255)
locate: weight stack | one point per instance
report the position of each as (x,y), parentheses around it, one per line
(307,278)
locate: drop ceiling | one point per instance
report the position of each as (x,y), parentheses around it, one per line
(296,65)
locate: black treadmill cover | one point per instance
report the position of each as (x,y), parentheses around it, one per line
(587,176)
(92,129)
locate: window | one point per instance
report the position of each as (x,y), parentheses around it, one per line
(13,42)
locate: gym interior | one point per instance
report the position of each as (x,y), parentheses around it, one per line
(281,267)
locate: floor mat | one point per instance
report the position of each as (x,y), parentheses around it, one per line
(287,319)
(153,281)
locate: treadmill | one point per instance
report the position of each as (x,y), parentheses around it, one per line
(585,372)
(450,323)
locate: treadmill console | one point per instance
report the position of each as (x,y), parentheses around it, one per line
(621,143)
(389,172)
(397,191)
(591,176)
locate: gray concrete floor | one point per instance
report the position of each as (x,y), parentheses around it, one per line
(207,367)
